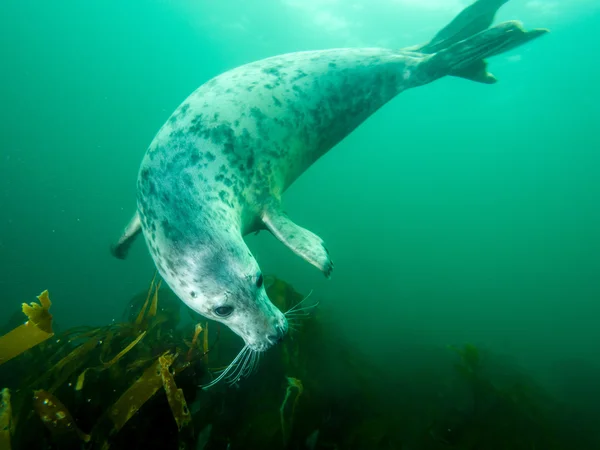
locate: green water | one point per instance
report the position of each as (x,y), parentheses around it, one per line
(457,213)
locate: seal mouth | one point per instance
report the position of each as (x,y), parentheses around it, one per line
(247,360)
(279,335)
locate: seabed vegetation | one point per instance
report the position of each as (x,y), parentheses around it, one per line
(137,384)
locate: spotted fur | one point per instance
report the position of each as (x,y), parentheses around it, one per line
(235,144)
(217,168)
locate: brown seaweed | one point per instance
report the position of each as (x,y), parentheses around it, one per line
(6,420)
(55,416)
(175,396)
(110,380)
(205,345)
(36,330)
(193,344)
(293,393)
(139,392)
(70,364)
(123,352)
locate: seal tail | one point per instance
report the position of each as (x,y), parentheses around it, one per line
(460,49)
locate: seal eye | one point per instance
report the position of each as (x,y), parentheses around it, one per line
(193,294)
(223,311)
(259,281)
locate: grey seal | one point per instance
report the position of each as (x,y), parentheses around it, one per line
(216,170)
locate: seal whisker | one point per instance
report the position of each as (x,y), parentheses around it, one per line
(242,352)
(304,308)
(250,366)
(244,370)
(301,312)
(234,376)
(229,371)
(298,314)
(297,305)
(254,363)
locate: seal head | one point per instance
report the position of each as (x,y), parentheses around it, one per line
(225,284)
(196,243)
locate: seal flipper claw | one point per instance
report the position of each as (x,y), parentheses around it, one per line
(300,240)
(133,229)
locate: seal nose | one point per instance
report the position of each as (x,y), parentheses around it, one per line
(278,336)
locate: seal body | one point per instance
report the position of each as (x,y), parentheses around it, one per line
(216,170)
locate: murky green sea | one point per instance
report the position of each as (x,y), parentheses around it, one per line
(459,212)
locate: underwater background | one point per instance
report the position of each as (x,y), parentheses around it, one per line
(457,213)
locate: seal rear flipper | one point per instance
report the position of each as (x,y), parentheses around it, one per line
(470,21)
(121,248)
(464,59)
(476,72)
(300,240)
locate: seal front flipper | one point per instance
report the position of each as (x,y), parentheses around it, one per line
(121,248)
(301,241)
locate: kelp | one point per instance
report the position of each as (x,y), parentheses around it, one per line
(36,330)
(118,356)
(142,313)
(141,391)
(138,393)
(66,367)
(137,382)
(181,413)
(56,417)
(114,370)
(178,405)
(144,317)
(6,420)
(194,343)
(288,406)
(205,345)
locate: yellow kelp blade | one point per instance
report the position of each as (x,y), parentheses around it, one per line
(40,314)
(33,332)
(197,330)
(81,380)
(138,393)
(140,316)
(286,413)
(154,304)
(71,363)
(56,416)
(124,351)
(106,365)
(6,422)
(177,402)
(205,344)
(106,342)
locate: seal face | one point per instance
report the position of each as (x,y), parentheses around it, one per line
(217,168)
